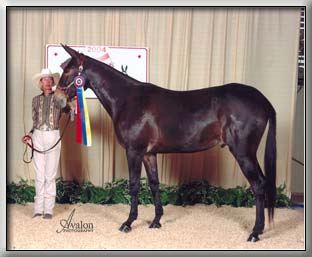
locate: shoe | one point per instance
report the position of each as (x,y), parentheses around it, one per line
(47,216)
(37,215)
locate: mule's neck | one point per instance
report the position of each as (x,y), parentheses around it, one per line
(110,86)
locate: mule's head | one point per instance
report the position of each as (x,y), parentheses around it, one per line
(65,89)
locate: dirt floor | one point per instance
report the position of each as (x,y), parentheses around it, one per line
(198,227)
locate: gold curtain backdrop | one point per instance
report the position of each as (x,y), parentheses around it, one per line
(190,48)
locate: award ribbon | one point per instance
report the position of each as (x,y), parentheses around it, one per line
(83,129)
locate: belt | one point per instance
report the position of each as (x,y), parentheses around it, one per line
(45,127)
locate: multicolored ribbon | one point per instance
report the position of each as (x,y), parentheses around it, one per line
(83,130)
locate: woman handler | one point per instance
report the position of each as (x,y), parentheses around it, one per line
(46,114)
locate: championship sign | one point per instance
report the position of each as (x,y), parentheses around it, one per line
(132,61)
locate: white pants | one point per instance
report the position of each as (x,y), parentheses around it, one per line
(46,165)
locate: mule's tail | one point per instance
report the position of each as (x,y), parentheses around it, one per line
(270,164)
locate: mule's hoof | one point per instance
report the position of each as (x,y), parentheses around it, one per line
(253,238)
(155,225)
(125,228)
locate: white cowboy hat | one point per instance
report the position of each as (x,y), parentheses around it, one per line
(45,73)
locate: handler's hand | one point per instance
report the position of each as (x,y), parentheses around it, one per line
(26,138)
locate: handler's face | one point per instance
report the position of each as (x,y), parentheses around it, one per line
(46,83)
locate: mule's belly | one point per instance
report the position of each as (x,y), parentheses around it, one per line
(187,139)
(183,148)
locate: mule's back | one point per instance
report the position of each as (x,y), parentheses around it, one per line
(190,121)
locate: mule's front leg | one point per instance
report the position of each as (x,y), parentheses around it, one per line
(150,163)
(134,158)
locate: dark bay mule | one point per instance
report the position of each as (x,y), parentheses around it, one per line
(149,119)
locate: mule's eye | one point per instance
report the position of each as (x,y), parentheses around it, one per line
(67,71)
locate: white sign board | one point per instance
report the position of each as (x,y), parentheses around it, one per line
(132,61)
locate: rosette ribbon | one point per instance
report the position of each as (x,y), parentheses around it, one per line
(83,129)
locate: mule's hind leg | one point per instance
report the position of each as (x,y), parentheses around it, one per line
(150,163)
(251,169)
(244,150)
(134,158)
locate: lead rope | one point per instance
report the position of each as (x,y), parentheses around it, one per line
(31,145)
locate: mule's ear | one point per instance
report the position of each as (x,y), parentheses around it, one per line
(73,53)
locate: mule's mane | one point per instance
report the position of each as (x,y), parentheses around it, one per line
(112,70)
